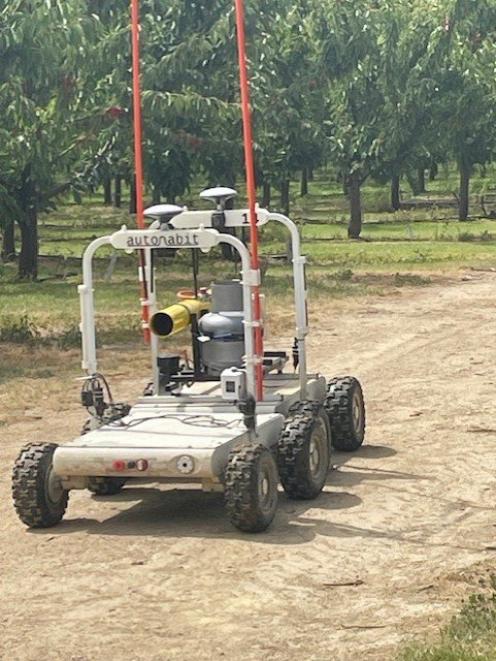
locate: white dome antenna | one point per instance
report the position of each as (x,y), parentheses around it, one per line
(163,212)
(218,195)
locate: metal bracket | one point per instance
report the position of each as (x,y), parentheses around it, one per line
(252,277)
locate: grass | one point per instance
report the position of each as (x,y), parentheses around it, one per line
(47,312)
(323,217)
(470,636)
(406,248)
(34,362)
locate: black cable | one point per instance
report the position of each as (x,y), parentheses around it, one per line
(93,386)
(193,420)
(107,387)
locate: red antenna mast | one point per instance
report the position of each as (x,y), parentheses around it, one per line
(250,177)
(251,191)
(138,160)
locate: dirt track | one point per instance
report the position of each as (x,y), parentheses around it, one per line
(153,574)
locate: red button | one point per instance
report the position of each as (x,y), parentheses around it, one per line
(119,465)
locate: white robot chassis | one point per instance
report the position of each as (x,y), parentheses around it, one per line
(195,426)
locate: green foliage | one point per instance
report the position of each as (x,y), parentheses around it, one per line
(466,88)
(48,97)
(350,58)
(50,105)
(377,89)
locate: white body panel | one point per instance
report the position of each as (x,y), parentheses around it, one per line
(197,424)
(162,443)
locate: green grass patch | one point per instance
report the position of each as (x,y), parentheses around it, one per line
(396,229)
(470,636)
(392,255)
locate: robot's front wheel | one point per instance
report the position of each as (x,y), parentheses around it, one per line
(251,487)
(39,497)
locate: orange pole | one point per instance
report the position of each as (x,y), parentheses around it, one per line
(138,160)
(252,192)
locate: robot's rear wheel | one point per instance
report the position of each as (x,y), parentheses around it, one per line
(346,410)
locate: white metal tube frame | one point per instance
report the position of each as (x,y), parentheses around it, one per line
(300,297)
(148,240)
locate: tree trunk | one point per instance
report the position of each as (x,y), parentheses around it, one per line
(285,197)
(414,182)
(395,193)
(8,245)
(310,174)
(156,195)
(266,195)
(421,180)
(132,196)
(118,192)
(354,192)
(464,192)
(28,257)
(107,191)
(433,171)
(304,182)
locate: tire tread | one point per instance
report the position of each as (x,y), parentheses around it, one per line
(240,488)
(28,487)
(294,439)
(338,405)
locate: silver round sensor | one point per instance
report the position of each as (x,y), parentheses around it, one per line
(185,464)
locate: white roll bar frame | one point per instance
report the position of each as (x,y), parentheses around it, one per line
(249,279)
(300,296)
(87,327)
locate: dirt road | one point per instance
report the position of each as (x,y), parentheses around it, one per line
(159,574)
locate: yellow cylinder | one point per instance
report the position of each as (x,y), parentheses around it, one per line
(177,317)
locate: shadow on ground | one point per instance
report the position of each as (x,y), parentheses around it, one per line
(188,512)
